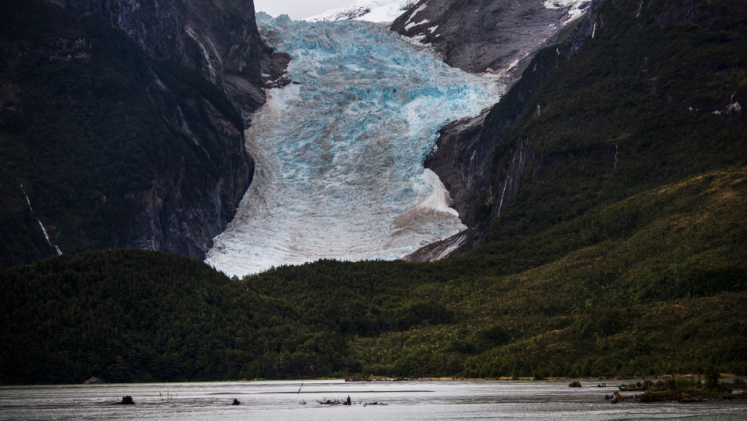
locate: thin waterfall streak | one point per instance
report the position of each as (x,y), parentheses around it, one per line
(44,230)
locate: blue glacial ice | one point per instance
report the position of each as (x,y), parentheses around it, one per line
(339,155)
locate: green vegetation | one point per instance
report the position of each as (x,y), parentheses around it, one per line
(668,296)
(633,110)
(131,315)
(92,120)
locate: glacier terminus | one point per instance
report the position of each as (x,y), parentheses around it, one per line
(339,152)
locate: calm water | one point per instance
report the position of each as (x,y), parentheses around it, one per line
(474,400)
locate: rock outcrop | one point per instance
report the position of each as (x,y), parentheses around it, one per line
(499,37)
(179,152)
(218,39)
(184,210)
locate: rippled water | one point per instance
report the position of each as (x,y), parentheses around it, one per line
(525,400)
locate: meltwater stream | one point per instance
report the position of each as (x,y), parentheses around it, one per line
(339,153)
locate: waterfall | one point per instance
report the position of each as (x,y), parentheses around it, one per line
(44,230)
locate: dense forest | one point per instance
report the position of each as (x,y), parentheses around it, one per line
(625,253)
(661,289)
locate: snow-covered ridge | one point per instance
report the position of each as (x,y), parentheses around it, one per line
(339,153)
(577,7)
(367,10)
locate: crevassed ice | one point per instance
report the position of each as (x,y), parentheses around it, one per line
(339,156)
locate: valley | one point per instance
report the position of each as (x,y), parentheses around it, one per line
(437,197)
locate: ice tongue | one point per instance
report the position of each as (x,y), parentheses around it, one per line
(339,153)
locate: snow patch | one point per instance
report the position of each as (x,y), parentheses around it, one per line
(412,25)
(366,10)
(576,9)
(418,10)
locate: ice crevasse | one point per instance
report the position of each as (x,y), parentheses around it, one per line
(339,153)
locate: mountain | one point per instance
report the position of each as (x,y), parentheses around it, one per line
(599,120)
(114,135)
(605,199)
(368,10)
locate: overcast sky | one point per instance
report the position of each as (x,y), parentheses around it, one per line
(298,9)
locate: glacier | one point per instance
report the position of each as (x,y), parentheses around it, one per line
(339,152)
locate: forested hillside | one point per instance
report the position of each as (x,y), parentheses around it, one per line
(131,315)
(652,285)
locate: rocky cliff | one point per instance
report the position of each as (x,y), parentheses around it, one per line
(477,36)
(126,139)
(218,39)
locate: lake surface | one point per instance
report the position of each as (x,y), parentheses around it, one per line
(447,400)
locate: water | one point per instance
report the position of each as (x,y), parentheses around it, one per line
(339,155)
(448,400)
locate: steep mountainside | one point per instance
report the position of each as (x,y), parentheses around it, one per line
(107,147)
(654,96)
(485,35)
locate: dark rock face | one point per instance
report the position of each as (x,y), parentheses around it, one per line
(483,36)
(182,166)
(462,162)
(184,210)
(218,39)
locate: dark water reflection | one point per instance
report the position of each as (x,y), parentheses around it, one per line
(474,400)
